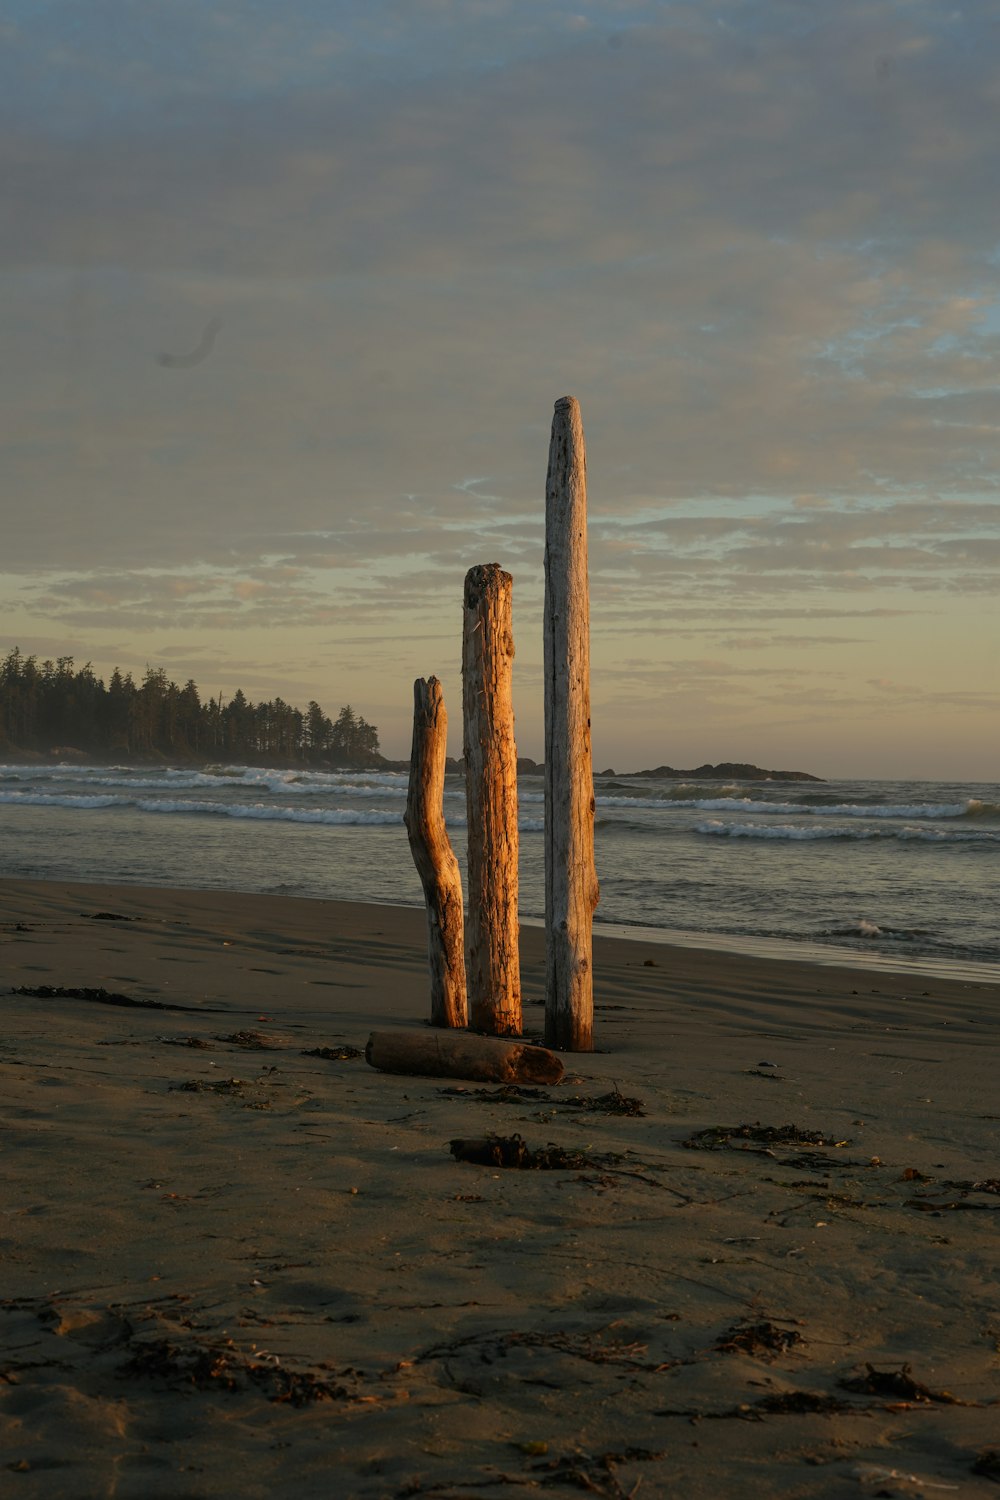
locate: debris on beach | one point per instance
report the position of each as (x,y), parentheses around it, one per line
(758,1138)
(987,1185)
(879,1474)
(613,1103)
(796,1402)
(601,1168)
(254,1041)
(900,1385)
(207,1367)
(333,1054)
(777,1403)
(762,1340)
(451,1054)
(509,1093)
(250,1092)
(511,1151)
(489,1346)
(929,1206)
(96,997)
(107,916)
(988,1463)
(219,1086)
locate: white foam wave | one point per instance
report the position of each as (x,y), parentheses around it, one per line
(716,828)
(174,779)
(361,783)
(57,799)
(892,810)
(260,811)
(703,804)
(279,784)
(929,811)
(949,836)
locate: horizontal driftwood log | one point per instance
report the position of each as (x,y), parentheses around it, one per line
(454,1054)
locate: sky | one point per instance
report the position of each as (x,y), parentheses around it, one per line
(288,292)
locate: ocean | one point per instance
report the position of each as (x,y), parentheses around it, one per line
(902,873)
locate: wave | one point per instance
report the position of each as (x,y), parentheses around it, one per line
(863,928)
(717,829)
(278,780)
(676,796)
(259,810)
(340,817)
(365,783)
(931,811)
(57,799)
(332,816)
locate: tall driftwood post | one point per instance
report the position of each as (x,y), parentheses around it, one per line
(434,857)
(491,939)
(571,889)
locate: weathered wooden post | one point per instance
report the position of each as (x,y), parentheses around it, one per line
(491,938)
(571,888)
(433,855)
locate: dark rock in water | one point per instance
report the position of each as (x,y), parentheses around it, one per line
(726,770)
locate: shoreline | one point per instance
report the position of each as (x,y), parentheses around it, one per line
(235,1255)
(767,949)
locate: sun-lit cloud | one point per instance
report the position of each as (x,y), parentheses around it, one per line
(754,241)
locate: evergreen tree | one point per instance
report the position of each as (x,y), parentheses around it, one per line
(58,706)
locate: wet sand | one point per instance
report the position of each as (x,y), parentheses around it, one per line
(231,1266)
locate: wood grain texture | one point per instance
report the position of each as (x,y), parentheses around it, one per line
(454,1054)
(491,933)
(571,888)
(434,857)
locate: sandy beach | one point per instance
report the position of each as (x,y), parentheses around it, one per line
(237,1260)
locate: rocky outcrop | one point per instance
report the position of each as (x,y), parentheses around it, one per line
(726,770)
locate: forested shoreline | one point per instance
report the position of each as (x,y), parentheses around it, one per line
(56,708)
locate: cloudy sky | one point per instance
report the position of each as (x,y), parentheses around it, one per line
(288,291)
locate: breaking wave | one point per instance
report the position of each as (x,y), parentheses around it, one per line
(931,811)
(715,828)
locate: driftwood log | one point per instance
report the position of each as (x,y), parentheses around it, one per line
(434,857)
(571,888)
(492,964)
(456,1054)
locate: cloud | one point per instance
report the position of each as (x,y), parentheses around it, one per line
(753,240)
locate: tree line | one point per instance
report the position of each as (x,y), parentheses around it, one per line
(54,705)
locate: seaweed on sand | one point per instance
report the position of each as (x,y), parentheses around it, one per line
(612,1103)
(763,1340)
(221,1366)
(334,1054)
(97,997)
(900,1386)
(511,1151)
(758,1137)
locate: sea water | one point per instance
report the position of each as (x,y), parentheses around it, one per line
(905,871)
